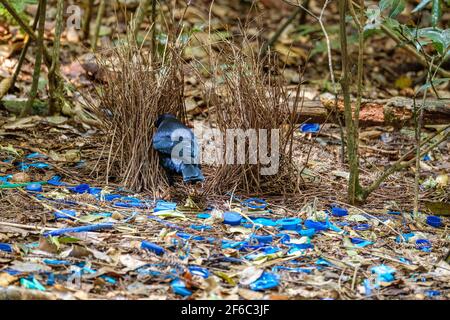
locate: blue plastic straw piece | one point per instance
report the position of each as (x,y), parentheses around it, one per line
(93,227)
(152,247)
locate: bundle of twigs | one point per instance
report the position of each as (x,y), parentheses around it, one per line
(247,96)
(137,90)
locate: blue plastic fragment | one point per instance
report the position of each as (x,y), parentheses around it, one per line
(233,244)
(299,247)
(152,247)
(423,245)
(56,181)
(307,232)
(199,271)
(232,218)
(40,165)
(255,203)
(316,225)
(57,262)
(203,216)
(200,227)
(426,157)
(396,213)
(162,205)
(405,236)
(384,273)
(34,187)
(310,128)
(262,239)
(291,269)
(323,262)
(264,222)
(111,197)
(432,293)
(6,247)
(81,188)
(90,228)
(339,212)
(434,221)
(361,243)
(32,285)
(67,215)
(362,227)
(36,155)
(267,280)
(179,287)
(289,223)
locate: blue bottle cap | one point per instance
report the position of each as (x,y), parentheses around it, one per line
(310,128)
(179,288)
(6,247)
(267,280)
(34,187)
(339,212)
(232,218)
(203,216)
(434,221)
(289,223)
(199,271)
(152,247)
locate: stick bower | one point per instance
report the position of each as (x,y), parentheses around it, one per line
(136,91)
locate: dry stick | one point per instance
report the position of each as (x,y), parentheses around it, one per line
(140,14)
(27,29)
(98,23)
(87,19)
(23,54)
(154,29)
(38,60)
(55,90)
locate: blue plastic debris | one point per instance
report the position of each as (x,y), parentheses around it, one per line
(310,128)
(66,214)
(57,262)
(434,221)
(162,205)
(291,269)
(316,225)
(34,187)
(6,247)
(360,243)
(307,232)
(36,155)
(289,223)
(232,218)
(203,216)
(56,181)
(361,227)
(200,227)
(395,213)
(262,239)
(323,262)
(405,236)
(432,293)
(90,228)
(152,247)
(423,245)
(267,280)
(426,157)
(199,271)
(32,284)
(339,212)
(179,287)
(384,273)
(81,188)
(255,203)
(264,222)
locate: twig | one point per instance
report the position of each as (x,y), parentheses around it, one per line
(98,24)
(55,89)
(87,19)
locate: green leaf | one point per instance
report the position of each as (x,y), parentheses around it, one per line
(397,7)
(421,5)
(434,82)
(436,12)
(437,37)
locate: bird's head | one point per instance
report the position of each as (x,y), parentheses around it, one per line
(163,117)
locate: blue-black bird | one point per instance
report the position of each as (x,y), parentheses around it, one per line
(178,149)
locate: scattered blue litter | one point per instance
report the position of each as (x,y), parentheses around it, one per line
(323,262)
(360,243)
(6,247)
(307,232)
(232,218)
(310,128)
(81,188)
(295,247)
(90,228)
(423,245)
(179,287)
(238,245)
(67,215)
(405,236)
(432,293)
(199,271)
(255,203)
(426,157)
(56,181)
(34,187)
(264,222)
(111,197)
(267,281)
(291,269)
(152,247)
(36,155)
(434,221)
(203,216)
(162,205)
(262,251)
(284,238)
(289,223)
(262,239)
(339,212)
(384,273)
(362,227)
(316,225)
(200,227)
(395,213)
(57,262)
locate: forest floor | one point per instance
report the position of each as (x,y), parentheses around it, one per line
(136,246)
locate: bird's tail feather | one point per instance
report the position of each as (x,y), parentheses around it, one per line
(192,173)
